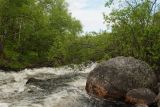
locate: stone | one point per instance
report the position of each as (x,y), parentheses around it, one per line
(112,79)
(140,96)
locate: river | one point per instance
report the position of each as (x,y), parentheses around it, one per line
(48,87)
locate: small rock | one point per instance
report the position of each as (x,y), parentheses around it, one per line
(140,96)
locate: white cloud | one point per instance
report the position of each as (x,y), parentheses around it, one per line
(77,4)
(91,16)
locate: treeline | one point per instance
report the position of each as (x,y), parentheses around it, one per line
(35,31)
(43,33)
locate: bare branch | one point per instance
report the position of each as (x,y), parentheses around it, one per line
(153,6)
(129,4)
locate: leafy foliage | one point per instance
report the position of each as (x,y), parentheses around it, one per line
(136,31)
(43,33)
(30,29)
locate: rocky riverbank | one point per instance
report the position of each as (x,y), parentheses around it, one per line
(52,87)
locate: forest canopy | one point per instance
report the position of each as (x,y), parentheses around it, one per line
(35,33)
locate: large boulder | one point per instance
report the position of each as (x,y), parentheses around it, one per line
(112,79)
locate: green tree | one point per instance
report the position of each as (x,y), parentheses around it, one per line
(33,31)
(64,28)
(135,30)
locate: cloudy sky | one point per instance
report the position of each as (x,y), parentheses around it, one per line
(89,12)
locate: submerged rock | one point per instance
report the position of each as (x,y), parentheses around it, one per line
(112,79)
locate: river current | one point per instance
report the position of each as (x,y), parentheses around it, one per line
(45,87)
(49,87)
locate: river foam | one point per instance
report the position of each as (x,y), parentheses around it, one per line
(52,87)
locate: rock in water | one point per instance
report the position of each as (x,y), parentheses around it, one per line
(141,96)
(112,79)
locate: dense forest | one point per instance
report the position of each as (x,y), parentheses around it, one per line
(35,33)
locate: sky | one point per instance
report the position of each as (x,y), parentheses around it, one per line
(90,13)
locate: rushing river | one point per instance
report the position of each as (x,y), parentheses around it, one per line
(47,87)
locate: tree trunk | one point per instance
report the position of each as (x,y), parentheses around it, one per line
(1,50)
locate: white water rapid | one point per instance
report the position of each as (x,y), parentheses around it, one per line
(49,87)
(45,87)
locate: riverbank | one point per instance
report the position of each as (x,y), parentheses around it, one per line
(6,68)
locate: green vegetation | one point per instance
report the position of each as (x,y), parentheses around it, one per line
(136,30)
(35,33)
